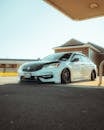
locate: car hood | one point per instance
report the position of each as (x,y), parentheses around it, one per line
(36,65)
(40,62)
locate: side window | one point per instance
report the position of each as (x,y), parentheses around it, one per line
(85,59)
(76,57)
(65,57)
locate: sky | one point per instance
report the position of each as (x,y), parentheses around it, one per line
(30,29)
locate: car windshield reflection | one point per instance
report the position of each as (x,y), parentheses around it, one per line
(57,57)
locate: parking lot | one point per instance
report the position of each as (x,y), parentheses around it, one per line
(14,79)
(33,106)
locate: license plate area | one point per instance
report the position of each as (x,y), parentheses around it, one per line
(27,75)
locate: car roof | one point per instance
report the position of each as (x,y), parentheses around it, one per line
(73,52)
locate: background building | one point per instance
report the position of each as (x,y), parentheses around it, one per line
(11,65)
(93,51)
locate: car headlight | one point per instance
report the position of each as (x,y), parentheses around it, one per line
(53,65)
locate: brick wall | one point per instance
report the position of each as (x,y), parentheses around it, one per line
(94,56)
(83,50)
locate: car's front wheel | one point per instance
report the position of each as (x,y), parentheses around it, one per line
(21,79)
(65,76)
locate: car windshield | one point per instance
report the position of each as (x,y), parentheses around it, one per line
(57,57)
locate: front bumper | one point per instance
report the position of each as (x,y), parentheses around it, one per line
(43,76)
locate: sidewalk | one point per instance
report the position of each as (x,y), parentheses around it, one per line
(89,83)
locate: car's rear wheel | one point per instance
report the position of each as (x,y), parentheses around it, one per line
(65,76)
(93,75)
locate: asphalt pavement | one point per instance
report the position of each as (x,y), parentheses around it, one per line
(32,106)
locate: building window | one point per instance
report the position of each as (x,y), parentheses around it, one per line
(2,66)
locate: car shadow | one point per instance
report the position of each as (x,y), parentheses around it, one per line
(48,84)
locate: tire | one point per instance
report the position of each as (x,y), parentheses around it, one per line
(21,80)
(65,76)
(93,75)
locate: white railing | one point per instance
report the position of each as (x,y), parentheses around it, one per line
(100,72)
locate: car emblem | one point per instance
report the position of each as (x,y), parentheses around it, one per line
(28,68)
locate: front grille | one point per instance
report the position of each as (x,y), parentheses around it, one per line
(32,68)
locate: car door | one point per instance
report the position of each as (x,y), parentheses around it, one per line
(76,67)
(86,67)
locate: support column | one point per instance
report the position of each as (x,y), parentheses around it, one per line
(100,72)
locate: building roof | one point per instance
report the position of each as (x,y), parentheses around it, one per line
(72,42)
(15,61)
(101,49)
(75,43)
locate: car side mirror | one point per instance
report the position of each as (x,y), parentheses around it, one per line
(75,60)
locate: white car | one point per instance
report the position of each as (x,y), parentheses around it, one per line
(64,67)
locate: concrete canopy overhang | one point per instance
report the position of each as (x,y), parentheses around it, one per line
(79,9)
